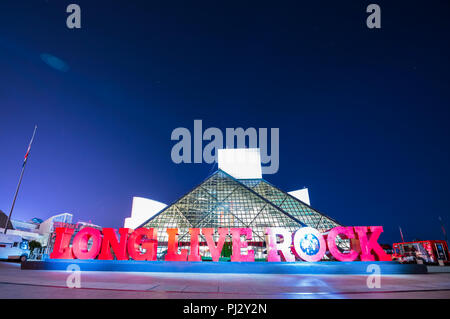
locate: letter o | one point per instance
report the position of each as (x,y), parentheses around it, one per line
(309,244)
(80,243)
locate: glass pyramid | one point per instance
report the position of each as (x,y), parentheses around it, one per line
(293,206)
(223,201)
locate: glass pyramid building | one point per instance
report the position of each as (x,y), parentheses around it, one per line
(222,201)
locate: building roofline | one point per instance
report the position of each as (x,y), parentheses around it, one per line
(309,206)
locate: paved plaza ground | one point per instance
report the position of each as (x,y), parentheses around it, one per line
(17,283)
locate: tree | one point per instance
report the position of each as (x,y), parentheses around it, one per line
(34,244)
(227,249)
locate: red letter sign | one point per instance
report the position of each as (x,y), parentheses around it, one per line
(145,237)
(238,244)
(110,241)
(172,247)
(273,246)
(369,243)
(215,251)
(62,250)
(194,254)
(80,243)
(346,232)
(309,244)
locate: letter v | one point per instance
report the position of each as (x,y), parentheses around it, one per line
(215,250)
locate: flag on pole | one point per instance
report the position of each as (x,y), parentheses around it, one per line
(401,234)
(20,181)
(443,229)
(29,147)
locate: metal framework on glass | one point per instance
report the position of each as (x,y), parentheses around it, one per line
(223,201)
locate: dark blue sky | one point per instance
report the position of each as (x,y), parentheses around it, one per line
(363,114)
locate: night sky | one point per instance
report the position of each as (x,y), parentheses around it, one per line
(363,113)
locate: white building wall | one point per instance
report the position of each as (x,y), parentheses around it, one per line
(301,194)
(142,210)
(26,235)
(241,163)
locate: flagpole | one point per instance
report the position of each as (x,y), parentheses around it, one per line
(20,180)
(401,234)
(443,229)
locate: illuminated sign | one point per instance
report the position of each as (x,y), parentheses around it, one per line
(306,244)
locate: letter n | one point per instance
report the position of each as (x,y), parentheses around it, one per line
(110,241)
